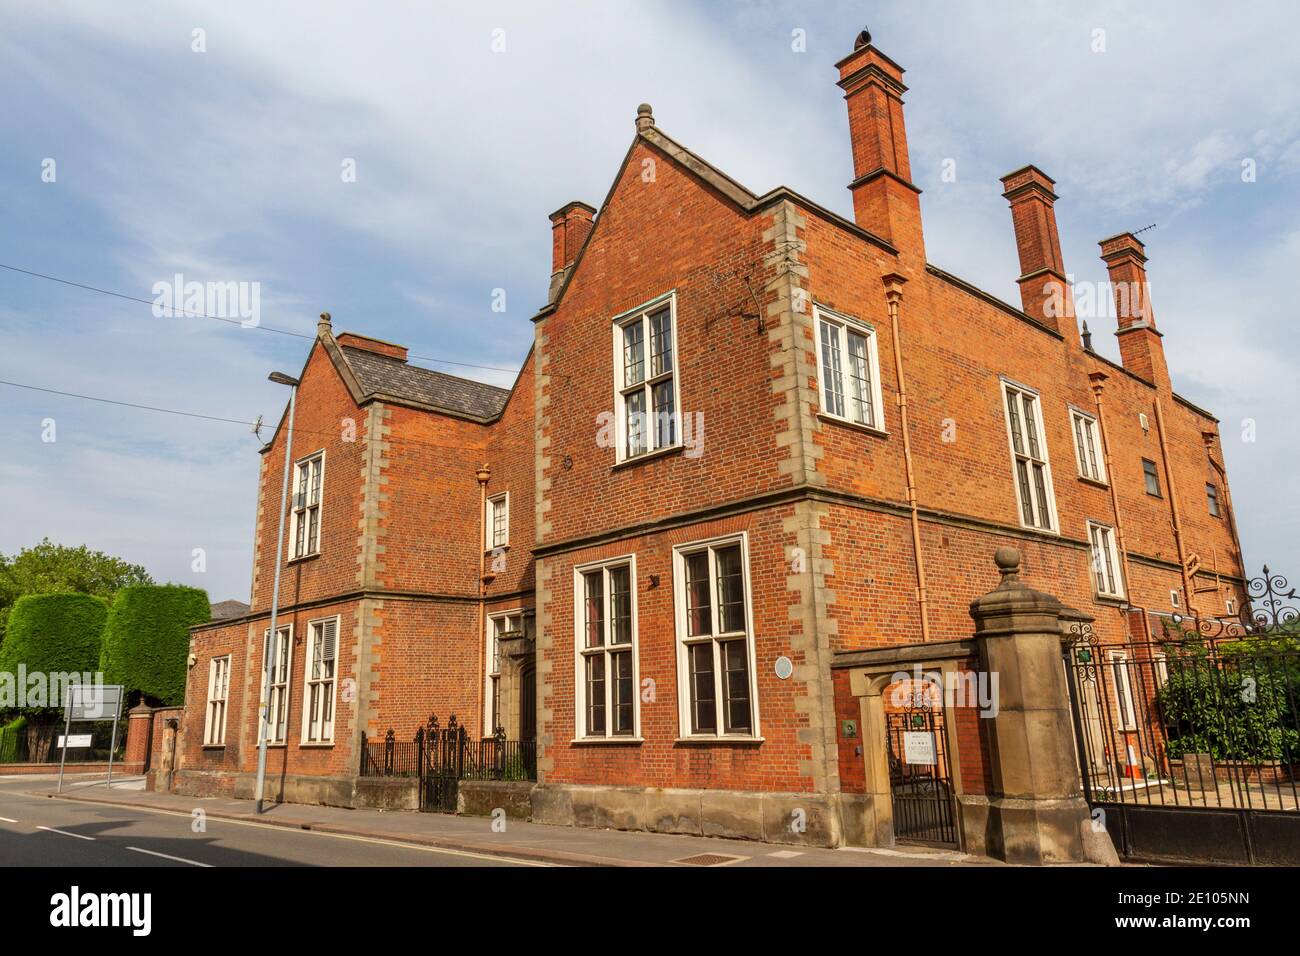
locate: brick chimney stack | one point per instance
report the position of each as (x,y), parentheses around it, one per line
(570,226)
(1140,347)
(884,200)
(1044,291)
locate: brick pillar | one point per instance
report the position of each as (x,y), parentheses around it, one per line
(885,201)
(139,732)
(1140,347)
(1037,813)
(1044,290)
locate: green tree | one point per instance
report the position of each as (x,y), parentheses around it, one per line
(50,568)
(147,640)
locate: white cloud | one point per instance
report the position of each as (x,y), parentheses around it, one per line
(226,165)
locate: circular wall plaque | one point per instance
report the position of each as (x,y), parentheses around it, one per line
(784,668)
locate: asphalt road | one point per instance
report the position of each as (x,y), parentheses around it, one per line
(40,831)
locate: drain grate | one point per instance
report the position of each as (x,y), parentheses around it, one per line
(709,859)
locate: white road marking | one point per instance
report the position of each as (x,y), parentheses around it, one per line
(168,856)
(320,833)
(65,833)
(7,820)
(785,854)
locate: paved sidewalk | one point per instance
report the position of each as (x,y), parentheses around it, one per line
(532,841)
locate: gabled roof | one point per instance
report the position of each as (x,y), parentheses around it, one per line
(371,376)
(746,200)
(380,375)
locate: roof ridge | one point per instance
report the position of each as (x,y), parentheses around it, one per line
(422,368)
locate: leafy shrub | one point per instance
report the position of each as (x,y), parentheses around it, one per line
(1238,704)
(54,633)
(9,734)
(147,639)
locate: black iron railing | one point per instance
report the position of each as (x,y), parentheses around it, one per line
(448,751)
(39,743)
(496,758)
(1204,715)
(390,757)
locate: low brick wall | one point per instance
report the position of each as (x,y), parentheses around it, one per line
(69,770)
(1269,773)
(198,783)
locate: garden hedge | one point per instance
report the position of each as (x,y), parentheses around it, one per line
(147,639)
(54,633)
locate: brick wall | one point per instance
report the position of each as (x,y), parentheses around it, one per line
(825,505)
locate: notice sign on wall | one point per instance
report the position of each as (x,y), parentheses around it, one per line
(918,747)
(75,740)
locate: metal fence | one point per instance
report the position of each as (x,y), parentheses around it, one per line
(390,757)
(39,743)
(1189,721)
(451,750)
(1189,743)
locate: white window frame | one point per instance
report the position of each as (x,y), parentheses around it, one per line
(1043,459)
(325,736)
(277,715)
(1125,706)
(1103,550)
(1230,605)
(499,503)
(842,326)
(1088,456)
(1175,599)
(581,652)
(492,663)
(1161,669)
(685,641)
(622,389)
(214,720)
(302,507)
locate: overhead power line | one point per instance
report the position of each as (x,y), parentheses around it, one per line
(297,430)
(113,401)
(230,321)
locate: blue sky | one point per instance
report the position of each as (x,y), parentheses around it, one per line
(225,165)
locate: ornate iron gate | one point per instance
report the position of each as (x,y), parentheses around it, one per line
(1189,743)
(920,782)
(442,765)
(438,758)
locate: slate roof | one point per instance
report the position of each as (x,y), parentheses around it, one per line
(228,609)
(380,374)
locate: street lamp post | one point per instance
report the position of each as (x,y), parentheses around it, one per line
(263,713)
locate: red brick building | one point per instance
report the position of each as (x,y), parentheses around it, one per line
(757,454)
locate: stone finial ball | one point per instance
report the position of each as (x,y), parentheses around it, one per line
(1007,559)
(644,110)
